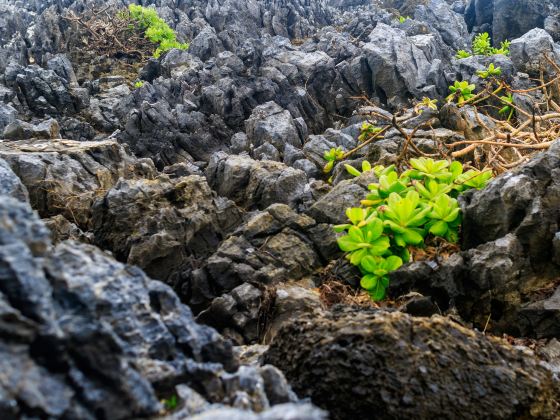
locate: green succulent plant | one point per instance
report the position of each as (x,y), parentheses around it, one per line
(461,91)
(445,216)
(463,54)
(377,269)
(364,241)
(481,44)
(474,179)
(504,48)
(489,72)
(404,216)
(366,166)
(400,212)
(331,156)
(367,130)
(171,403)
(426,103)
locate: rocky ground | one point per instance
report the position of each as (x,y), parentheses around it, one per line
(167,247)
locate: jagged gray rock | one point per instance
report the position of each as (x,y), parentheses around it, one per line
(83,336)
(10,184)
(64,177)
(163,225)
(255,184)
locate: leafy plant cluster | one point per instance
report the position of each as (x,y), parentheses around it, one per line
(481,45)
(156,30)
(463,92)
(402,211)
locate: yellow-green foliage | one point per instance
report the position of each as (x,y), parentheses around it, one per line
(155,29)
(401,211)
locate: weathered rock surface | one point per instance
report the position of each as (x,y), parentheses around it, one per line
(10,184)
(84,336)
(355,363)
(255,184)
(65,177)
(506,19)
(163,225)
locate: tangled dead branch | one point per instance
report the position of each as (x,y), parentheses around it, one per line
(509,142)
(111,32)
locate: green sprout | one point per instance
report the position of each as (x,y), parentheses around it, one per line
(462,91)
(481,46)
(376,281)
(403,19)
(426,103)
(138,84)
(463,54)
(331,157)
(367,130)
(504,48)
(508,108)
(489,72)
(171,403)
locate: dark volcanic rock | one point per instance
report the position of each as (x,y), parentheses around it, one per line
(355,363)
(255,184)
(506,19)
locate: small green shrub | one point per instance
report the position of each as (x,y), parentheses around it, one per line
(403,19)
(171,403)
(489,72)
(138,84)
(426,103)
(481,45)
(402,211)
(155,29)
(463,54)
(367,130)
(461,91)
(331,157)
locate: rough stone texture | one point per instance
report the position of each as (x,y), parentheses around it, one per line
(505,19)
(65,177)
(355,363)
(510,233)
(271,124)
(254,184)
(83,336)
(10,184)
(162,225)
(331,208)
(21,130)
(528,52)
(274,245)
